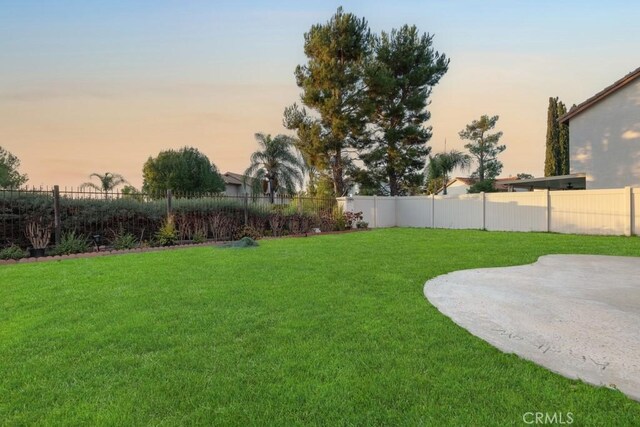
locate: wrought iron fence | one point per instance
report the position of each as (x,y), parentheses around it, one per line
(103,216)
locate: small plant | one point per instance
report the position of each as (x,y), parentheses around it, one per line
(199,231)
(221,226)
(12,252)
(38,234)
(199,237)
(340,224)
(248,231)
(167,235)
(245,242)
(124,240)
(362,224)
(351,219)
(72,244)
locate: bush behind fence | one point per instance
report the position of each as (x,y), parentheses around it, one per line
(203,216)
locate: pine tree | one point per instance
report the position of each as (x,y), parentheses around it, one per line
(331,83)
(484,147)
(399,80)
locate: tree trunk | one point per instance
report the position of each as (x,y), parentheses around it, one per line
(393,183)
(337,169)
(445,181)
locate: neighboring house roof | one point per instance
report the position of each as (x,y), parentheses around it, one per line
(500,184)
(600,95)
(231,178)
(576,181)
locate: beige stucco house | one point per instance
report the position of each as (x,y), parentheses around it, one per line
(604,135)
(235,185)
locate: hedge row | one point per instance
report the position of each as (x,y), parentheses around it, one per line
(218,218)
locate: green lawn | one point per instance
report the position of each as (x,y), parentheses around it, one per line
(330,330)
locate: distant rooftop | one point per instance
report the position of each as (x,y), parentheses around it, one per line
(235,178)
(576,181)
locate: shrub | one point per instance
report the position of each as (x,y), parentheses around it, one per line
(218,216)
(340,224)
(12,252)
(276,222)
(221,225)
(248,231)
(487,186)
(38,233)
(167,235)
(72,244)
(352,218)
(199,237)
(124,240)
(362,224)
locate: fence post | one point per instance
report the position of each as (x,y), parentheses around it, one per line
(375,211)
(433,211)
(628,204)
(169,198)
(246,208)
(56,213)
(548,210)
(395,211)
(484,211)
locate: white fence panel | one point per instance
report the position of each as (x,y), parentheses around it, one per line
(589,211)
(365,205)
(608,211)
(526,211)
(386,212)
(414,211)
(463,211)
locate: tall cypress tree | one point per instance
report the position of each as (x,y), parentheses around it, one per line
(552,157)
(563,141)
(557,153)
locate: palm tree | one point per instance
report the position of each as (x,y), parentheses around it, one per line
(275,163)
(442,164)
(108,182)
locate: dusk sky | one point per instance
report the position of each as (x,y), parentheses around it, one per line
(88,86)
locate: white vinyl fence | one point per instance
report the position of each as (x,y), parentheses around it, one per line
(612,211)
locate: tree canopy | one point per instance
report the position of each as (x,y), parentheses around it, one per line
(182,171)
(10,177)
(366,97)
(556,160)
(107,182)
(331,83)
(442,164)
(399,79)
(276,163)
(484,147)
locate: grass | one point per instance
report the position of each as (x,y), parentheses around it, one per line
(330,330)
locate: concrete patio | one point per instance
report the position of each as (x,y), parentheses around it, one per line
(577,315)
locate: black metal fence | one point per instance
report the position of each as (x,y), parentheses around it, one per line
(106,215)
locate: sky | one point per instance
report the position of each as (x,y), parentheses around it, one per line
(99,86)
